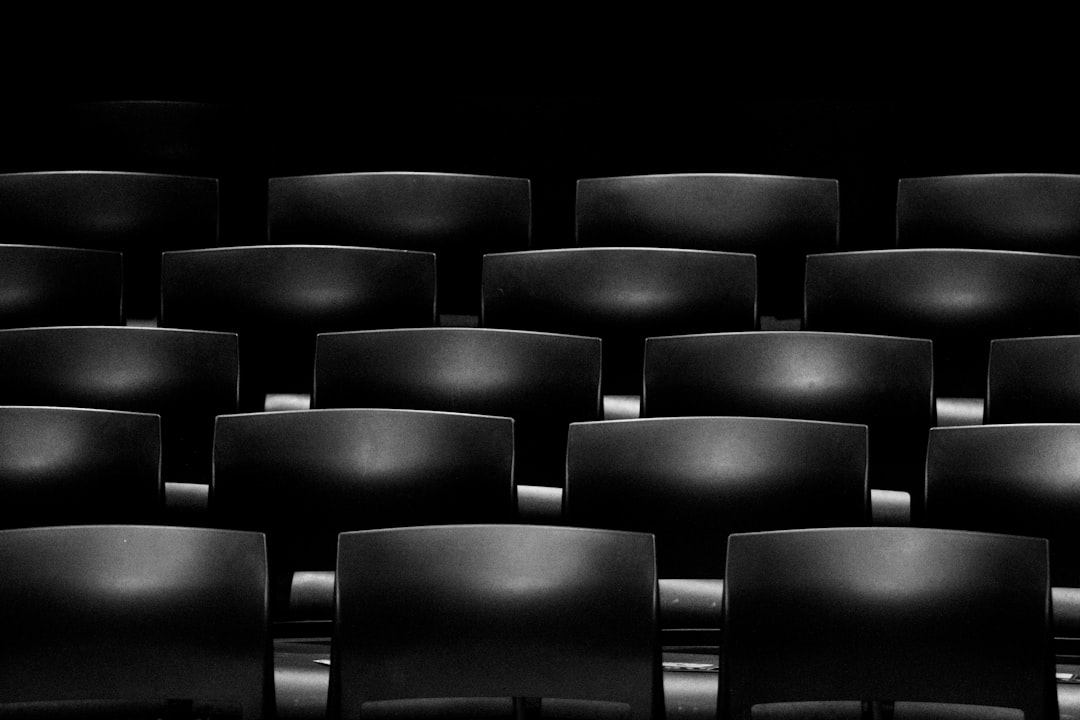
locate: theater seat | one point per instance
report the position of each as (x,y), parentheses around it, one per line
(1034,380)
(42,285)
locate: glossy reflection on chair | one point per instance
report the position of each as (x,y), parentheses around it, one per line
(42,285)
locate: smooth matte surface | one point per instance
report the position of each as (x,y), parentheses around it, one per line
(1034,380)
(622,295)
(496,611)
(278,298)
(135,613)
(887,614)
(960,299)
(459,217)
(1037,212)
(544,381)
(67,466)
(777,218)
(885,383)
(42,285)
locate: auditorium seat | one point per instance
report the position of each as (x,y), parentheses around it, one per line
(42,285)
(304,476)
(1034,380)
(779,219)
(134,621)
(692,481)
(453,613)
(622,295)
(72,466)
(188,377)
(960,299)
(278,298)
(544,381)
(138,214)
(1036,212)
(457,216)
(883,382)
(916,622)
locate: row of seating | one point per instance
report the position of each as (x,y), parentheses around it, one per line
(138,621)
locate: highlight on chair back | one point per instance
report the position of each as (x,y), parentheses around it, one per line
(496,611)
(304,476)
(1034,380)
(692,481)
(138,214)
(544,381)
(622,295)
(60,286)
(134,621)
(1035,212)
(72,466)
(278,298)
(912,619)
(458,217)
(777,218)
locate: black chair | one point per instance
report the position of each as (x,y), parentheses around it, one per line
(960,299)
(302,477)
(542,380)
(72,466)
(885,383)
(278,298)
(622,295)
(458,217)
(188,377)
(780,219)
(908,619)
(1036,212)
(692,481)
(496,611)
(138,214)
(134,621)
(44,285)
(1033,380)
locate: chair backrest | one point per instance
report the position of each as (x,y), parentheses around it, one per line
(68,466)
(1037,212)
(59,286)
(887,614)
(622,295)
(459,217)
(302,477)
(115,616)
(883,382)
(278,298)
(188,377)
(1034,380)
(542,380)
(692,481)
(138,214)
(495,611)
(960,299)
(780,219)
(1015,479)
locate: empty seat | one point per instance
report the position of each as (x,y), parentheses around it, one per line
(1034,380)
(278,298)
(138,214)
(495,611)
(912,617)
(459,217)
(302,477)
(59,286)
(186,376)
(960,299)
(544,381)
(780,219)
(1037,212)
(622,295)
(692,481)
(135,621)
(883,382)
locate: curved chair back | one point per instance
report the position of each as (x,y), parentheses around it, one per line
(59,286)
(1034,380)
